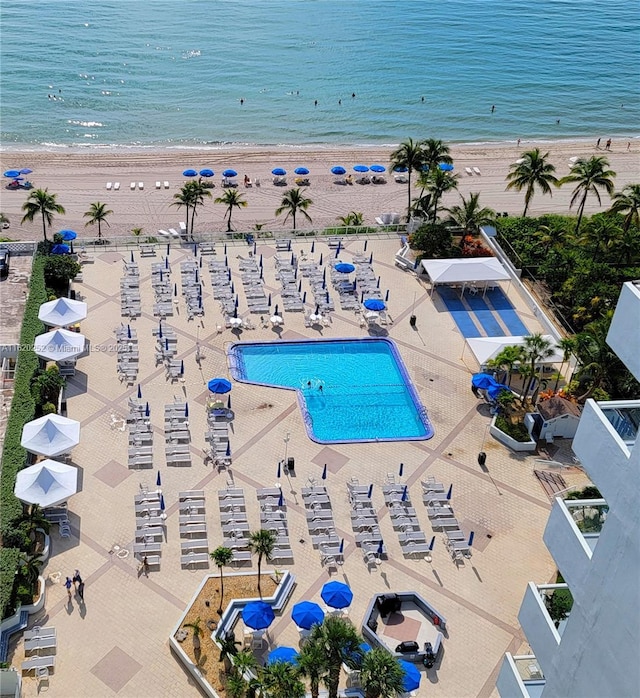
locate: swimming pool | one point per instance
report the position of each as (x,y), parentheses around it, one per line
(349,390)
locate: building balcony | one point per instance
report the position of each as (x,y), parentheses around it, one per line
(624,332)
(520,677)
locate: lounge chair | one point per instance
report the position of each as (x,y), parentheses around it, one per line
(109,186)
(174,233)
(468,170)
(133,186)
(183,228)
(477,170)
(116,186)
(158,185)
(400,178)
(140,185)
(166,184)
(164,233)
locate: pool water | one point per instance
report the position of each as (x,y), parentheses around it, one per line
(348,389)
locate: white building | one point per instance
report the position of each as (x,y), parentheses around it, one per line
(595,652)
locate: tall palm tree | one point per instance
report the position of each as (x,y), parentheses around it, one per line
(311,664)
(231,198)
(597,361)
(294,201)
(600,234)
(589,176)
(535,347)
(280,680)
(409,154)
(183,199)
(381,675)
(434,153)
(628,246)
(33,519)
(228,649)
(531,171)
(438,182)
(340,641)
(221,556)
(262,543)
(627,201)
(506,360)
(97,213)
(470,216)
(29,565)
(568,346)
(40,202)
(197,194)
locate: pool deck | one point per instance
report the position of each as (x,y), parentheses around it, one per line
(118,644)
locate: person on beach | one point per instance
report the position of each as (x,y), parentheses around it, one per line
(608,144)
(493,108)
(518,142)
(68,584)
(339,101)
(353,94)
(598,143)
(628,146)
(422,99)
(241,101)
(315,103)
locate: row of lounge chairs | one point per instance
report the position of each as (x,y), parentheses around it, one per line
(364,521)
(234,523)
(127,353)
(273,517)
(36,640)
(150,528)
(319,515)
(405,522)
(192,288)
(177,436)
(442,518)
(194,548)
(140,435)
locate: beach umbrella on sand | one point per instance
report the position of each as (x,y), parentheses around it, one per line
(278,172)
(445,167)
(12,173)
(338,170)
(360,168)
(374,304)
(412,676)
(60,249)
(190,173)
(400,168)
(26,170)
(207,173)
(229,173)
(301,171)
(344,268)
(68,235)
(378,168)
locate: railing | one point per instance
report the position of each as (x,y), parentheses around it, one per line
(589,514)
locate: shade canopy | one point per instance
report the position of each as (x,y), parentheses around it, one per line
(59,345)
(344,268)
(457,271)
(336,594)
(190,173)
(62,312)
(301,171)
(374,304)
(338,170)
(278,172)
(60,248)
(50,435)
(307,614)
(378,168)
(484,381)
(258,615)
(219,385)
(283,654)
(229,173)
(47,483)
(412,676)
(487,348)
(68,235)
(206,172)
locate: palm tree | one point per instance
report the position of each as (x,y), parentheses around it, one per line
(280,680)
(29,565)
(97,213)
(196,626)
(534,348)
(438,182)
(231,198)
(293,201)
(531,171)
(352,218)
(340,641)
(381,675)
(221,556)
(182,199)
(434,153)
(627,201)
(598,363)
(244,661)
(506,360)
(40,202)
(136,232)
(262,543)
(311,664)
(33,519)
(197,192)
(228,649)
(600,233)
(628,246)
(568,346)
(235,686)
(470,216)
(589,176)
(409,154)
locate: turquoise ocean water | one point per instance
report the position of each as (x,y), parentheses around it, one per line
(162,73)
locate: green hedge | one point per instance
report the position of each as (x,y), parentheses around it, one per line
(23,410)
(9,558)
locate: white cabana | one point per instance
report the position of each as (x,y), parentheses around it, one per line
(46,483)
(483,270)
(62,312)
(59,345)
(50,435)
(487,348)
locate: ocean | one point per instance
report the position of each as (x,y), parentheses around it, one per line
(206,73)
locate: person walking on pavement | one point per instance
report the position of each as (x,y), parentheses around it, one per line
(81,591)
(77,579)
(68,584)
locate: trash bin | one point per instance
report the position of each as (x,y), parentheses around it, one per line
(482,457)
(412,320)
(291,463)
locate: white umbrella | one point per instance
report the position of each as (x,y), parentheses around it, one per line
(276,320)
(371,315)
(59,345)
(62,312)
(46,483)
(50,435)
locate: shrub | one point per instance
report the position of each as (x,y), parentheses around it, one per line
(434,240)
(46,387)
(48,408)
(9,558)
(58,272)
(516,431)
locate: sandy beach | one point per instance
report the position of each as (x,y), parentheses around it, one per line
(80,178)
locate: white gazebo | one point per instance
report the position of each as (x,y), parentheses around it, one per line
(59,345)
(487,348)
(50,435)
(62,312)
(460,272)
(46,483)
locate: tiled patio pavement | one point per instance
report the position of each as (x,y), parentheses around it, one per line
(118,645)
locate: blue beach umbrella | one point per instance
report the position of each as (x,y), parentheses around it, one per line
(159,480)
(341,548)
(433,540)
(166,344)
(482,380)
(320,262)
(139,392)
(229,402)
(386,296)
(12,173)
(160,330)
(336,595)
(412,676)
(371,258)
(344,268)
(60,249)
(166,262)
(405,494)
(133,259)
(445,167)
(324,472)
(401,470)
(313,247)
(380,549)
(304,297)
(365,245)
(401,168)
(301,171)
(68,235)
(147,410)
(186,406)
(370,492)
(228,451)
(229,173)
(182,374)
(378,282)
(281,499)
(471,536)
(374,304)
(450,491)
(162,506)
(26,170)
(207,172)
(190,173)
(219,385)
(128,331)
(378,168)
(279,469)
(360,168)
(283,654)
(278,172)
(338,170)
(306,614)
(257,615)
